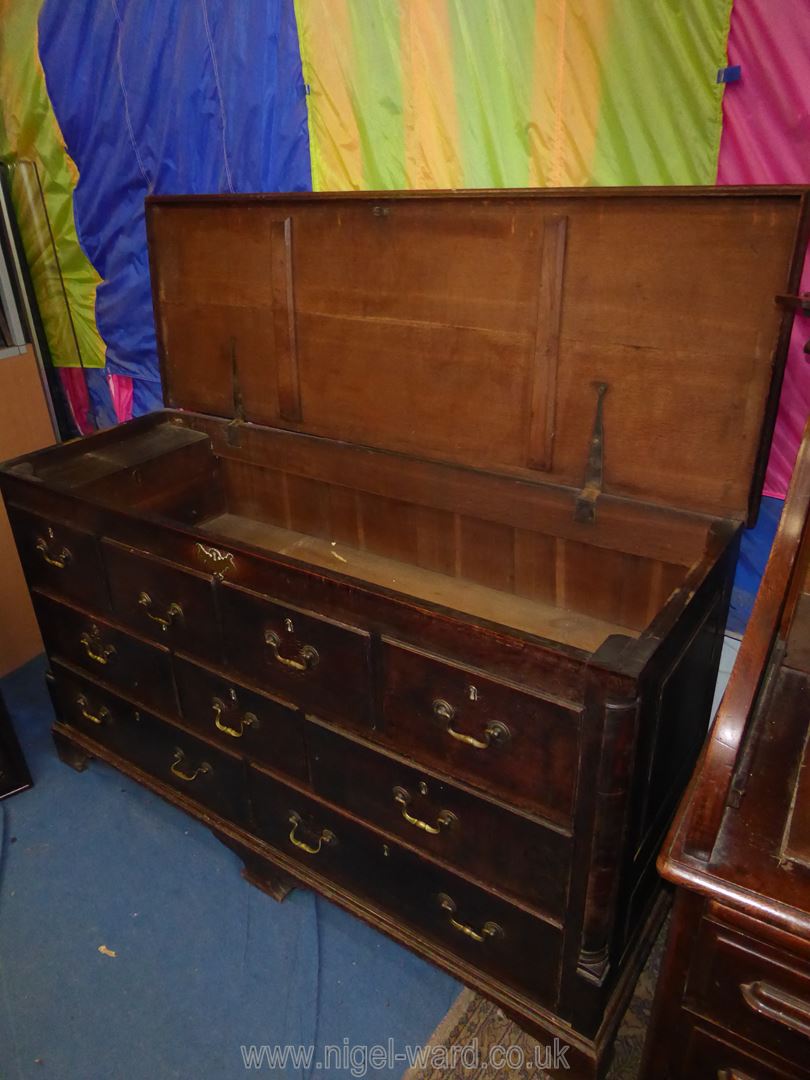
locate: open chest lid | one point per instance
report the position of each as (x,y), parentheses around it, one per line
(625,341)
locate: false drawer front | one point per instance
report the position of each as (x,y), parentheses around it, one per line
(243,720)
(201,772)
(60,558)
(305,658)
(712,1054)
(162,601)
(514,854)
(487,732)
(497,937)
(752,988)
(140,669)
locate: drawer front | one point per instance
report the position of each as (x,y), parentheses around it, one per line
(711,1054)
(510,944)
(60,558)
(242,720)
(753,989)
(174,607)
(311,661)
(508,851)
(492,734)
(201,772)
(141,670)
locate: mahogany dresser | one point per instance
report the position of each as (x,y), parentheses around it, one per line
(415,592)
(733,1000)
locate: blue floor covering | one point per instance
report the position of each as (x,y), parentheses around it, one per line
(204,963)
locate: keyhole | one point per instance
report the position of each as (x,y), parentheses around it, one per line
(472,693)
(423,788)
(288,626)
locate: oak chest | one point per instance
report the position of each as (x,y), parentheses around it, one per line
(415,591)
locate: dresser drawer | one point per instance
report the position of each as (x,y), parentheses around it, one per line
(138,668)
(712,1054)
(60,558)
(509,851)
(242,720)
(753,989)
(162,601)
(309,660)
(512,945)
(488,732)
(204,774)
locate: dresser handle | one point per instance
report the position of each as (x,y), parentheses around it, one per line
(247,720)
(495,733)
(445,819)
(101,717)
(775,1004)
(326,836)
(60,561)
(179,757)
(489,930)
(95,647)
(307,654)
(165,622)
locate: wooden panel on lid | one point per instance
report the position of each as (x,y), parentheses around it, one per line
(475,327)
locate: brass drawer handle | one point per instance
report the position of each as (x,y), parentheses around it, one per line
(495,733)
(246,721)
(778,1005)
(179,757)
(101,717)
(59,560)
(445,820)
(95,648)
(173,612)
(326,836)
(307,654)
(489,931)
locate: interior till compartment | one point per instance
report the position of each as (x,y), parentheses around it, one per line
(423,529)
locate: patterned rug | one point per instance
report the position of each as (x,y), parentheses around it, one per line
(474,1022)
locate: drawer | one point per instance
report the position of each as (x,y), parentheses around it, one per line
(162,601)
(752,988)
(242,720)
(202,773)
(488,732)
(509,851)
(495,936)
(312,661)
(136,667)
(712,1054)
(60,558)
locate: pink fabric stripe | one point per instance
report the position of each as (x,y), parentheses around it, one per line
(75,387)
(121,393)
(766,140)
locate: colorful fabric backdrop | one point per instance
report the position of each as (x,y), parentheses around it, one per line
(246,95)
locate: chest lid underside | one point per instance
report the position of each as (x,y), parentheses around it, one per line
(491,329)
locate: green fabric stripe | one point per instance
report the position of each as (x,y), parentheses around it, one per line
(493,57)
(661,107)
(376,91)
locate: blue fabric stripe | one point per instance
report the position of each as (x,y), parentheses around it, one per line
(174,97)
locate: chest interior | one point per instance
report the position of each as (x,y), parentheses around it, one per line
(531,408)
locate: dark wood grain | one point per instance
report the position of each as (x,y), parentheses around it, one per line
(370,600)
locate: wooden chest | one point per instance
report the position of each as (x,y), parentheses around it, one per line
(734,997)
(415,592)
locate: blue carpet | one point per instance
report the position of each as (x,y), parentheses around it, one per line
(204,964)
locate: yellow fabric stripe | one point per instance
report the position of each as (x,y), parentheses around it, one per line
(325,37)
(428,90)
(29,132)
(566,90)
